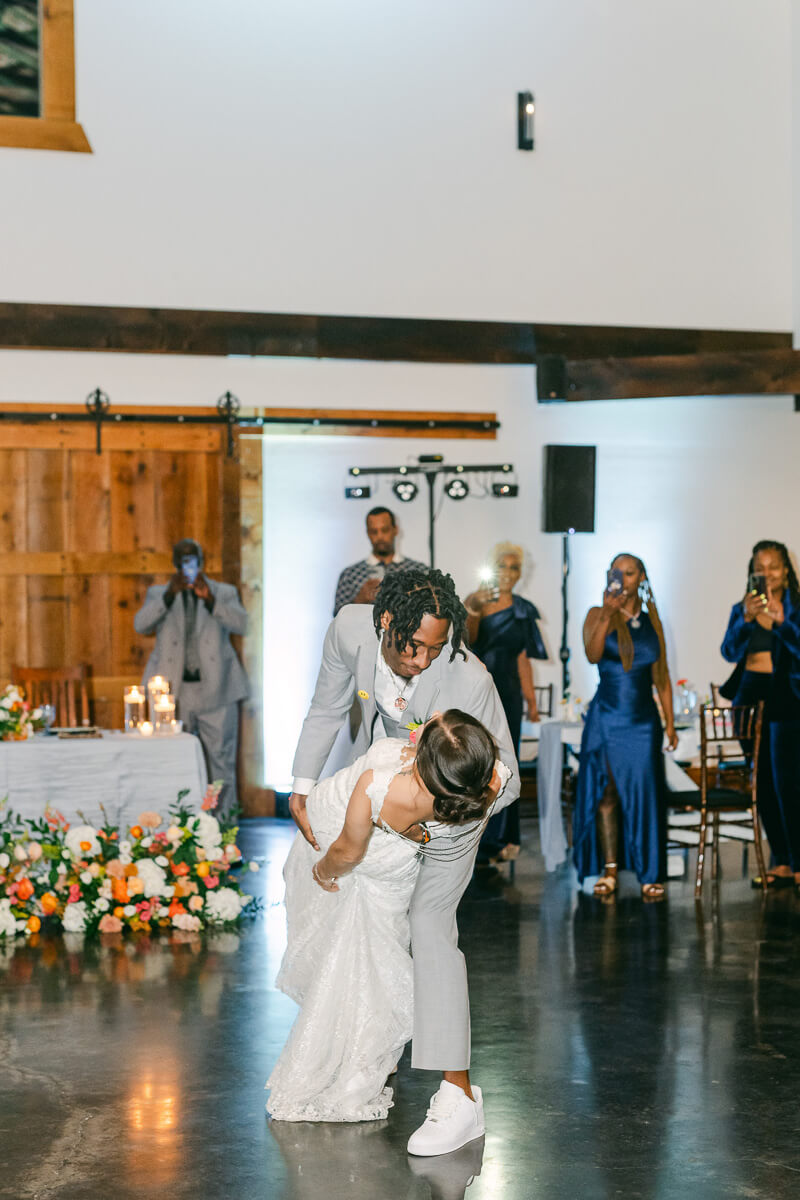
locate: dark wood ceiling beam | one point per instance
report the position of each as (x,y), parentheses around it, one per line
(382,339)
(757,373)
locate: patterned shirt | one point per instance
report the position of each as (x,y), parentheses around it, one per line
(353,577)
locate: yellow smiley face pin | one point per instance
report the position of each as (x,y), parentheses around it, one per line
(362,695)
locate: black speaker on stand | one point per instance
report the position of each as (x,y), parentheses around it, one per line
(568,507)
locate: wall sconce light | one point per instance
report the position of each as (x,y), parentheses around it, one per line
(358,493)
(525,110)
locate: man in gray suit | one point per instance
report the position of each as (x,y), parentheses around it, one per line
(192,618)
(403,661)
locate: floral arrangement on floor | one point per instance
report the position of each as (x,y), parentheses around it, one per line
(87,879)
(17,720)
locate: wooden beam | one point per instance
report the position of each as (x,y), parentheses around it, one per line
(758,373)
(380,339)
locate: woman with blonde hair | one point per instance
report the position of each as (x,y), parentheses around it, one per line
(620,806)
(503,632)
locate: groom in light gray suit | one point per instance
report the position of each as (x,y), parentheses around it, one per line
(403,661)
(192,618)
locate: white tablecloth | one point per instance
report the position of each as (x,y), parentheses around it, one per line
(553,736)
(125,773)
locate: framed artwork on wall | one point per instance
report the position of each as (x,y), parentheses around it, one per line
(37,76)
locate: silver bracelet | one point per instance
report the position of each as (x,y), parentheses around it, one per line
(319,878)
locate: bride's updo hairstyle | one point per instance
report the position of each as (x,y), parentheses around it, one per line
(455,760)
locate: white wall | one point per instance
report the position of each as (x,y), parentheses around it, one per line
(361,158)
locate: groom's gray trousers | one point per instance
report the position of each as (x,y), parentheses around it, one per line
(441,999)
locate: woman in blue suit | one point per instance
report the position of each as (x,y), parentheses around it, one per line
(620,802)
(763,639)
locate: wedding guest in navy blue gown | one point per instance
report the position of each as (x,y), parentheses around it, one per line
(504,634)
(621,777)
(763,639)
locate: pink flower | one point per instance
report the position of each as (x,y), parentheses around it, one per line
(34,851)
(196,903)
(211,797)
(74,893)
(110,924)
(150,820)
(212,881)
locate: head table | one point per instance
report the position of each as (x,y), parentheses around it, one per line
(125,772)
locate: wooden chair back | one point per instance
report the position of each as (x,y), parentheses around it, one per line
(730,790)
(544,699)
(717,699)
(63,687)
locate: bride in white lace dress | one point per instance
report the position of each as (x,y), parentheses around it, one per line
(347,961)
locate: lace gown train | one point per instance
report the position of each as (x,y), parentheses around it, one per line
(347,961)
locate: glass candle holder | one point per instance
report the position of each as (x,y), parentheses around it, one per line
(134,708)
(146,729)
(165,714)
(157,686)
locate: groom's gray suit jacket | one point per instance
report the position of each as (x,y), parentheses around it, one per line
(348,671)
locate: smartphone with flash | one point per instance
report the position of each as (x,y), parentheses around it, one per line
(758,584)
(614,581)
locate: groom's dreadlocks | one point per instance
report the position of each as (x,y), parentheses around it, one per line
(410,595)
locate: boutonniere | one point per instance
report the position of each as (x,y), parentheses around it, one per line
(413,728)
(362,695)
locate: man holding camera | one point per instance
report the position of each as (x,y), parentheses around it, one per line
(193,618)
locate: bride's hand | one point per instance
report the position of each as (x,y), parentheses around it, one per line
(297,811)
(327,885)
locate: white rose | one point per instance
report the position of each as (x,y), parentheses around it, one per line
(5,702)
(174,833)
(232,853)
(124,847)
(85,877)
(66,854)
(20,925)
(186,922)
(105,889)
(20,853)
(82,833)
(129,910)
(4,861)
(61,869)
(125,859)
(223,905)
(75,917)
(101,904)
(161,861)
(146,842)
(163,911)
(152,876)
(8,925)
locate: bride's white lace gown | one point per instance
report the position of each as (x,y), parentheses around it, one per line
(347,961)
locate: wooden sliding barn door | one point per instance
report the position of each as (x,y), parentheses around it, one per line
(83,535)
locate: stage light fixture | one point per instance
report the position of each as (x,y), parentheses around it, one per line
(405,490)
(457,489)
(358,493)
(505,489)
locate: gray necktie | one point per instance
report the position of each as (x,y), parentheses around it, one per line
(191,660)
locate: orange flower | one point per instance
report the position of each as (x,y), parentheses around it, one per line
(119,890)
(49,903)
(180,868)
(150,820)
(185,887)
(119,911)
(203,869)
(175,908)
(25,889)
(136,831)
(85,847)
(135,885)
(34,924)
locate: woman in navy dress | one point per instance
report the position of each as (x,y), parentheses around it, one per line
(763,639)
(620,805)
(504,634)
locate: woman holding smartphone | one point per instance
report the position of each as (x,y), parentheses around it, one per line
(620,805)
(504,633)
(763,639)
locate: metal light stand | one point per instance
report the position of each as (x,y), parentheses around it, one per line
(431,471)
(564,652)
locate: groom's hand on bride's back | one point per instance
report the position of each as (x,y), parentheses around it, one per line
(297,811)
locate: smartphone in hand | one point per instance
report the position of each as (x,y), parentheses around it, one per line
(614,581)
(758,584)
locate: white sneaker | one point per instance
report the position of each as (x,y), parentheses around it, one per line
(452,1121)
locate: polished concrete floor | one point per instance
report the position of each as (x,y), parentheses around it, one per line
(624,1050)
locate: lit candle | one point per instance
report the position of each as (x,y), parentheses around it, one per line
(134,708)
(146,729)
